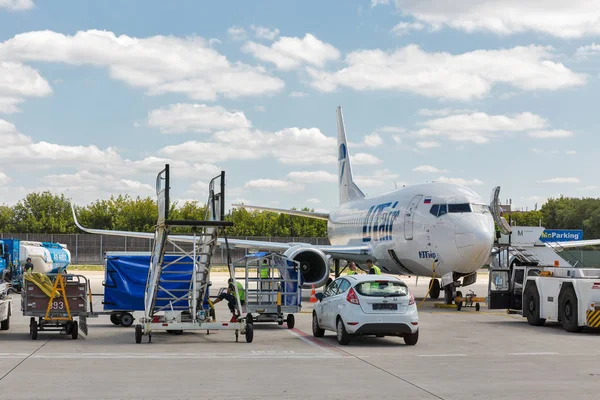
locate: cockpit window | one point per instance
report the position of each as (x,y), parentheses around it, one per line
(434,209)
(442,210)
(480,208)
(459,208)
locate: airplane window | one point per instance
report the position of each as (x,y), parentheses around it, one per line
(480,208)
(442,210)
(459,208)
(434,209)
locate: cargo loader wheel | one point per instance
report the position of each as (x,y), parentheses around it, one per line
(249,333)
(434,292)
(291,321)
(115,319)
(126,320)
(532,302)
(570,311)
(138,334)
(249,318)
(74,330)
(33,328)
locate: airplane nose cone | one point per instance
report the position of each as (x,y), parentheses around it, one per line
(474,235)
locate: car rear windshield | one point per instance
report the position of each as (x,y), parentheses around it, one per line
(382,288)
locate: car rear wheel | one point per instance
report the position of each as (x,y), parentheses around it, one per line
(317,331)
(342,336)
(412,338)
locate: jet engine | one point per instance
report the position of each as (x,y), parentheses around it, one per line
(314,265)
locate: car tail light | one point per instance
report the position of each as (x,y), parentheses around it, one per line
(351,297)
(412,299)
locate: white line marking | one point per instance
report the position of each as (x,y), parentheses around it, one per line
(312,343)
(441,355)
(534,354)
(173,356)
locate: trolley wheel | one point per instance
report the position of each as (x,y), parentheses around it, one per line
(477,307)
(5,325)
(74,330)
(291,321)
(138,334)
(33,329)
(249,333)
(458,306)
(249,318)
(126,320)
(115,319)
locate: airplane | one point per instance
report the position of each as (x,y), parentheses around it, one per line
(436,230)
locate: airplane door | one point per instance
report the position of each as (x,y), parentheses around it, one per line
(409,217)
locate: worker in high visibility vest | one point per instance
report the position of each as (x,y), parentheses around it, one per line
(373,269)
(264,270)
(241,290)
(351,269)
(265,285)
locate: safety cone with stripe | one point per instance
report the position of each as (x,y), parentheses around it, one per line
(313,295)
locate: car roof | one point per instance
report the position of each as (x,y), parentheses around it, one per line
(371,277)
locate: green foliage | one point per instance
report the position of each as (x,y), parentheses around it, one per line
(528,218)
(48,213)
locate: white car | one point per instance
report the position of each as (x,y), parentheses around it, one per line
(379,305)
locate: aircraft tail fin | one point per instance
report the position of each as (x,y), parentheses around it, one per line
(348,189)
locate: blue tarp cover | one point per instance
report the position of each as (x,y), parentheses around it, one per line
(125,281)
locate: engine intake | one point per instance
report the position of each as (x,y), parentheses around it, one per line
(314,265)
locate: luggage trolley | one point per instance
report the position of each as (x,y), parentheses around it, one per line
(55,300)
(274,296)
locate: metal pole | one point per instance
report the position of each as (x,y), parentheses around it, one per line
(76,248)
(125,243)
(100,250)
(336,263)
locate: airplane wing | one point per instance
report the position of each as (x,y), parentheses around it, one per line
(308,214)
(355,253)
(574,243)
(358,253)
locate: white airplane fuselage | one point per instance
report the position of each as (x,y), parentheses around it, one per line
(406,237)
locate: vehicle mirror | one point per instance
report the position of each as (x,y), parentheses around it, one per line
(319,296)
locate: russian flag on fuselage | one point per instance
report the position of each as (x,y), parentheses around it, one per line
(427,200)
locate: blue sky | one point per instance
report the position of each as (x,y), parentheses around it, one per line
(95,96)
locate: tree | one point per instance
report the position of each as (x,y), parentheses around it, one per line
(43,213)
(6,216)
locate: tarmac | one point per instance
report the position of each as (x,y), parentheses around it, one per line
(460,355)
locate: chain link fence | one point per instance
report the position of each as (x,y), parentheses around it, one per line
(89,249)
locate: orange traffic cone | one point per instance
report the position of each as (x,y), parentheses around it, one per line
(313,295)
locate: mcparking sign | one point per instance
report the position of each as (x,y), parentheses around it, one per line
(561,235)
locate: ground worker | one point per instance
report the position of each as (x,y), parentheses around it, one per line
(28,264)
(265,285)
(231,301)
(351,268)
(241,290)
(373,269)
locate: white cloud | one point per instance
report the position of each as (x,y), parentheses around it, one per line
(443,75)
(292,146)
(428,144)
(391,129)
(557,133)
(587,51)
(404,28)
(573,19)
(262,32)
(4,179)
(271,184)
(428,168)
(397,138)
(571,152)
(375,3)
(561,180)
(313,201)
(260,108)
(17,5)
(312,176)
(298,94)
(444,112)
(160,64)
(86,181)
(480,127)
(290,52)
(18,81)
(380,178)
(236,33)
(364,159)
(459,181)
(180,118)
(589,188)
(373,140)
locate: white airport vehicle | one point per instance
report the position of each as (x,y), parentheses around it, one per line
(5,306)
(379,305)
(403,231)
(534,279)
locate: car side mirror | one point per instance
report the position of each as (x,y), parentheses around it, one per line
(319,296)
